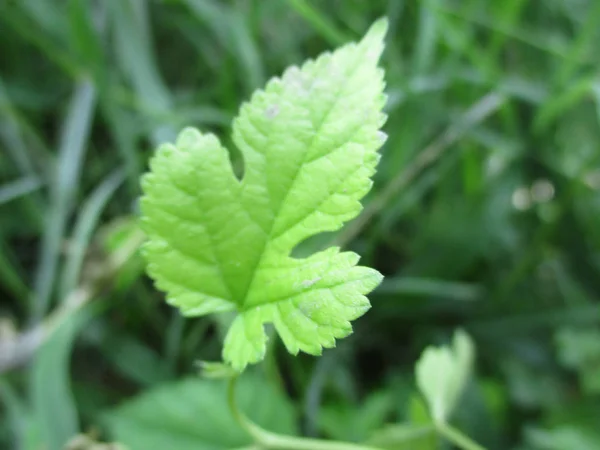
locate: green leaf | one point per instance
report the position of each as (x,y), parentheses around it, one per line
(53,401)
(346,421)
(193,415)
(132,358)
(442,374)
(417,433)
(579,349)
(309,143)
(25,428)
(567,436)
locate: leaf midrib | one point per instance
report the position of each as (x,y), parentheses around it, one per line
(295,178)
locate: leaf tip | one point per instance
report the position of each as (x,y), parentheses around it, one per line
(378,30)
(188,136)
(372,279)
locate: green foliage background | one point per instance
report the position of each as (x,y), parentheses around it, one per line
(485,215)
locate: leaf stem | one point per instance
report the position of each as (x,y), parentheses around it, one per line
(267,440)
(457,437)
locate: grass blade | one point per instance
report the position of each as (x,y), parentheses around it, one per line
(136,58)
(84,227)
(18,188)
(53,401)
(319,22)
(72,148)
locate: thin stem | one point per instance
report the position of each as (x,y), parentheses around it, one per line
(266,440)
(457,438)
(239,417)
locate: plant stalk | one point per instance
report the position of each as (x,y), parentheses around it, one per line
(267,440)
(456,437)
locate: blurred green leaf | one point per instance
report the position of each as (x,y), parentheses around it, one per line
(53,403)
(442,373)
(564,438)
(419,417)
(193,415)
(132,358)
(25,430)
(355,423)
(579,349)
(532,387)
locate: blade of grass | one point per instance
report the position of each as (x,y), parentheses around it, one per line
(508,14)
(84,38)
(32,31)
(53,401)
(12,128)
(87,221)
(461,41)
(533,39)
(230,28)
(24,432)
(11,276)
(430,287)
(596,95)
(46,15)
(320,23)
(124,134)
(19,188)
(173,340)
(585,41)
(72,147)
(248,51)
(426,40)
(558,104)
(538,320)
(136,59)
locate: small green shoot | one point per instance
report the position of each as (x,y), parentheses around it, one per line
(442,374)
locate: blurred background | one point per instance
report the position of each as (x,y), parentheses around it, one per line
(485,215)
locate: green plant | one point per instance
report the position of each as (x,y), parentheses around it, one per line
(483,215)
(217,243)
